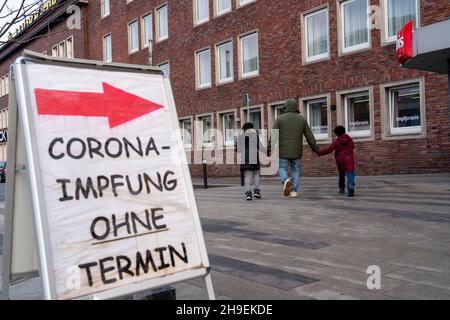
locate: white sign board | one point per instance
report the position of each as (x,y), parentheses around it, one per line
(115,201)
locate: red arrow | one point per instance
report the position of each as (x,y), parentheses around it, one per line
(118,105)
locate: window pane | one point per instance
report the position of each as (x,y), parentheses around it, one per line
(105,7)
(62,50)
(318,117)
(187,132)
(317,34)
(148,32)
(250,53)
(399,13)
(223,5)
(255,118)
(279,110)
(166,69)
(225,63)
(163,23)
(228,127)
(206,128)
(107,48)
(406,107)
(69,48)
(202,10)
(204,61)
(133,36)
(355,23)
(358,113)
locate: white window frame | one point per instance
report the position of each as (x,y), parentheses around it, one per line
(319,136)
(323,55)
(391,39)
(130,49)
(145,42)
(6,84)
(221,120)
(357,134)
(2,82)
(62,52)
(70,40)
(218,13)
(55,51)
(197,69)
(158,10)
(406,130)
(105,47)
(218,63)
(358,47)
(251,74)
(187,146)
(242,3)
(195,10)
(102,8)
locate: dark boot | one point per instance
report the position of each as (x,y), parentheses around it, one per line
(248,195)
(257,194)
(341,191)
(351,192)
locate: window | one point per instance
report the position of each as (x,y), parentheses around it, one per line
(62,49)
(404,109)
(2,86)
(165,68)
(147,30)
(205,126)
(107,48)
(133,36)
(186,132)
(163,24)
(54,51)
(249,55)
(222,6)
(254,116)
(228,126)
(317,114)
(225,62)
(6,84)
(201,8)
(316,35)
(357,114)
(203,68)
(244,2)
(398,13)
(105,8)
(69,48)
(279,110)
(354,24)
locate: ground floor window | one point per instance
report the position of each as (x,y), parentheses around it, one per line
(404,109)
(254,116)
(186,132)
(228,126)
(205,130)
(317,114)
(357,114)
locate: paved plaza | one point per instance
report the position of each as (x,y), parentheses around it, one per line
(320,245)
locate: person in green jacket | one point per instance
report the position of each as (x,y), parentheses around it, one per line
(292,127)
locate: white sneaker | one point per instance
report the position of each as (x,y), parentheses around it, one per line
(294,194)
(287,187)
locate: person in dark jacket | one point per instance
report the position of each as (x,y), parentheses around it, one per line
(247,144)
(345,159)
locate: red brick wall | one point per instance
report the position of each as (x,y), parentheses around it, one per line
(282,74)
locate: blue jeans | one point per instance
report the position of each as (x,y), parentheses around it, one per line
(295,172)
(350,180)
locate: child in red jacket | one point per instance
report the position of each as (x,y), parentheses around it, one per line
(345,159)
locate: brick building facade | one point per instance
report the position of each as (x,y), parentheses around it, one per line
(316,51)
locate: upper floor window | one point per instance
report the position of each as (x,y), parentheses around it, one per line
(244,2)
(222,6)
(162,23)
(4,85)
(398,13)
(64,49)
(316,35)
(203,68)
(225,62)
(354,24)
(105,8)
(133,36)
(107,48)
(201,9)
(147,30)
(249,55)
(69,48)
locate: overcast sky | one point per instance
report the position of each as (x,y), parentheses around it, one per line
(13,4)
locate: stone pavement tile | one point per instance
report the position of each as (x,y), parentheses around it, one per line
(420,292)
(424,260)
(186,291)
(324,290)
(430,278)
(241,289)
(30,289)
